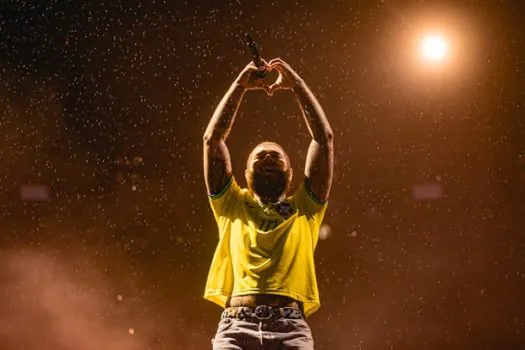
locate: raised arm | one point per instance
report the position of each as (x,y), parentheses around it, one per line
(320,157)
(217,163)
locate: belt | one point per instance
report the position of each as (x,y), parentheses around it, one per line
(261,313)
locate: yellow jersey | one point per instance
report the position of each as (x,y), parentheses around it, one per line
(265,250)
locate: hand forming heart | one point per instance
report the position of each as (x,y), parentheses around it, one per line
(251,80)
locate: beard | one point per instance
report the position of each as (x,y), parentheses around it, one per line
(269,184)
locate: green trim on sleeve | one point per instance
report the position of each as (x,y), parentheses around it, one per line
(219,194)
(311,194)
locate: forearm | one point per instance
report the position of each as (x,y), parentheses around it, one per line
(313,113)
(222,120)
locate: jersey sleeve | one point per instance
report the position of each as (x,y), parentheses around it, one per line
(223,202)
(308,204)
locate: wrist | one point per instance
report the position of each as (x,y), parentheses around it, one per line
(238,87)
(298,84)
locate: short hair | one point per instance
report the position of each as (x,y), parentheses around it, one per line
(268,143)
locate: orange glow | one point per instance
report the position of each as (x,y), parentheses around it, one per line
(434,47)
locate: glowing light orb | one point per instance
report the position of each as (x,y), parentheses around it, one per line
(325,231)
(434,47)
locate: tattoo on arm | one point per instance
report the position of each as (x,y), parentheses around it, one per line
(224,116)
(217,163)
(320,157)
(217,167)
(313,113)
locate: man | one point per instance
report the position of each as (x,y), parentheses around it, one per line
(263,271)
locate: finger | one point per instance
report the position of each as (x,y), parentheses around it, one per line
(262,67)
(276,66)
(257,85)
(275,61)
(280,70)
(251,67)
(283,70)
(274,87)
(277,85)
(267,89)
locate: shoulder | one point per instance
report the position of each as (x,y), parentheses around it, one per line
(306,201)
(304,190)
(231,191)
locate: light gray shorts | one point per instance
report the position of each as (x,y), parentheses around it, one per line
(275,334)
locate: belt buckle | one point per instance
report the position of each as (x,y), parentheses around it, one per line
(263,312)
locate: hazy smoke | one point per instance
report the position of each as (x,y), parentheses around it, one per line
(48,302)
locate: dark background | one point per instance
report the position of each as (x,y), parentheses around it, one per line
(105,103)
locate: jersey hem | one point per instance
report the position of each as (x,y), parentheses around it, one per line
(216,295)
(273,291)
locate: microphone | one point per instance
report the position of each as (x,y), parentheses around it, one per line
(256,56)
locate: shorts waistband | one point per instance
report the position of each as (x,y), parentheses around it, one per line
(261,313)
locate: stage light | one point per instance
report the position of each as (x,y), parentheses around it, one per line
(434,47)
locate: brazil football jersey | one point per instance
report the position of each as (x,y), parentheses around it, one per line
(265,250)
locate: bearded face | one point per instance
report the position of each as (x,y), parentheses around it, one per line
(268,172)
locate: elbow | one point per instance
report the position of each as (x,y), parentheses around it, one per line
(210,139)
(327,138)
(208,136)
